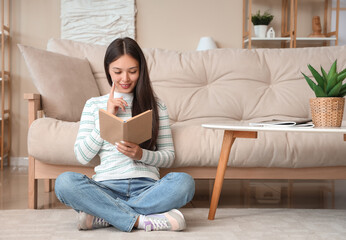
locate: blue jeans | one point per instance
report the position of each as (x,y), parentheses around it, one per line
(120,202)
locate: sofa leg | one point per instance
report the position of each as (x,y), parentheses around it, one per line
(48,185)
(289,193)
(247,195)
(32,185)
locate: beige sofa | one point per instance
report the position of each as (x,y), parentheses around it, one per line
(198,87)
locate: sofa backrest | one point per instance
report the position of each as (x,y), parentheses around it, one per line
(235,84)
(238,84)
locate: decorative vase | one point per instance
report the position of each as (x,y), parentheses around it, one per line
(260,30)
(327,111)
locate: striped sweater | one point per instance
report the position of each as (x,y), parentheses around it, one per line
(115,165)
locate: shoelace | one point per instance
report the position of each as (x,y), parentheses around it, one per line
(159,224)
(99,222)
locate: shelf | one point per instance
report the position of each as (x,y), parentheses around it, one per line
(288,39)
(316,38)
(268,39)
(289,13)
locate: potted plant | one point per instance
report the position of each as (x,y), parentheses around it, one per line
(261,23)
(328,106)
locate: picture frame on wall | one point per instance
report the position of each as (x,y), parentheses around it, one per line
(97,22)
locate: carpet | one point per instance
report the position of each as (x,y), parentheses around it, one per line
(230,223)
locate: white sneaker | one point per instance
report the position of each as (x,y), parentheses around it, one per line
(168,221)
(88,222)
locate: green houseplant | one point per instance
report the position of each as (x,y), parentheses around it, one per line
(261,22)
(261,19)
(328,106)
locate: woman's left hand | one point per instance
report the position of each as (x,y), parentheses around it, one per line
(131,150)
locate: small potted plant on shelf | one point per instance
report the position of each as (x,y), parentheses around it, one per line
(261,22)
(328,106)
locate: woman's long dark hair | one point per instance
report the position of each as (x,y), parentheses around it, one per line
(143,96)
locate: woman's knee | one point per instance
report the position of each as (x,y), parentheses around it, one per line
(185,182)
(189,185)
(66,181)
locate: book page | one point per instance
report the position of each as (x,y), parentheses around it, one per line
(111,127)
(139,128)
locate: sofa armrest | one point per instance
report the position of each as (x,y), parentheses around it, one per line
(34,106)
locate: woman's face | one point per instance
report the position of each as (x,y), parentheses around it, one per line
(124,73)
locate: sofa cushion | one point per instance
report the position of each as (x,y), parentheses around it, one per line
(65,83)
(52,141)
(92,52)
(198,146)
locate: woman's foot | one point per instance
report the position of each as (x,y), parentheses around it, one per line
(168,221)
(88,222)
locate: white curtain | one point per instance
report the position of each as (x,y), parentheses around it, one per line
(97,21)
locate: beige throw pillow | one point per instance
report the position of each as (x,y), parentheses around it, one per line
(65,83)
(92,52)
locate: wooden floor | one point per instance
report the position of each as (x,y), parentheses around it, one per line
(235,193)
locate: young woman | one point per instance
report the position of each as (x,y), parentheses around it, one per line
(126,191)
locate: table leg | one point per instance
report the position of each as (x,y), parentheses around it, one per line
(228,140)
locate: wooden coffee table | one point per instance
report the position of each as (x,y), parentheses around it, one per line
(244,130)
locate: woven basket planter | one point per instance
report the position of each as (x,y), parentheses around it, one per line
(327,111)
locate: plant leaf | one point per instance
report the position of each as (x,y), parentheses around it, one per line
(335,90)
(341,76)
(343,88)
(332,71)
(319,92)
(343,71)
(311,83)
(325,76)
(317,76)
(342,91)
(332,83)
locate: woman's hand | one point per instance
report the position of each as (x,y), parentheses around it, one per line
(113,104)
(131,150)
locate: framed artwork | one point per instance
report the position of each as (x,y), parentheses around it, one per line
(97,22)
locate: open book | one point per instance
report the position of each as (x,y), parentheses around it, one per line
(136,129)
(283,123)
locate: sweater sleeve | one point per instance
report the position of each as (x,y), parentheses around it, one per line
(88,142)
(164,154)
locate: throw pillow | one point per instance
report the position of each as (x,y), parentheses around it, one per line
(92,52)
(65,83)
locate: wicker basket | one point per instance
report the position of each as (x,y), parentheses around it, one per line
(327,111)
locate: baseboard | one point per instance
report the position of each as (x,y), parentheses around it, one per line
(19,161)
